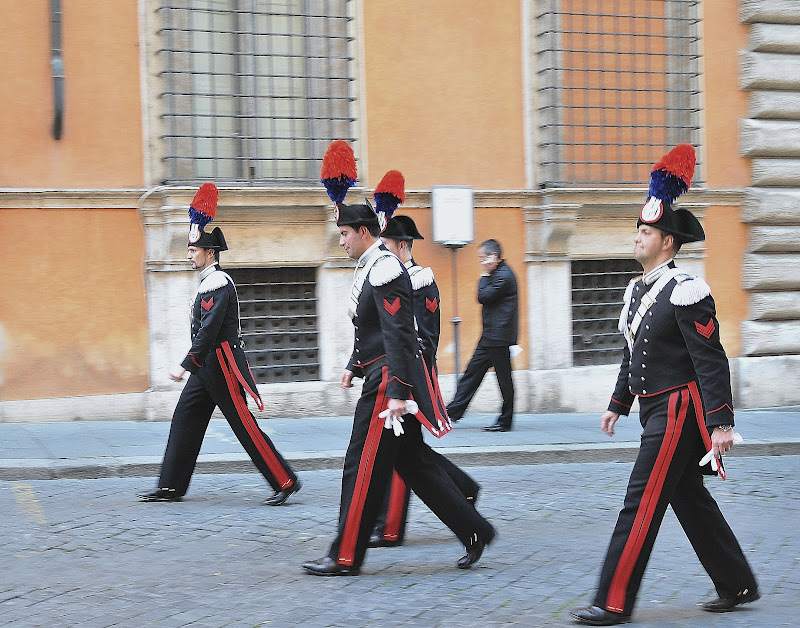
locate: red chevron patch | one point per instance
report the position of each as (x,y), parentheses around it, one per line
(392,307)
(705,330)
(207,305)
(432,305)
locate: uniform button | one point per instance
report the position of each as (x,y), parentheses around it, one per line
(642,378)
(644,392)
(637,287)
(647,326)
(358,351)
(646,340)
(650,313)
(644,352)
(356,338)
(644,366)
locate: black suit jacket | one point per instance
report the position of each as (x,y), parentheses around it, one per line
(498,295)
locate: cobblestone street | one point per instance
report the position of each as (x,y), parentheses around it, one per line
(86,552)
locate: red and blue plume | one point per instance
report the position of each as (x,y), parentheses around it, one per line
(338,173)
(391,191)
(204,205)
(672,175)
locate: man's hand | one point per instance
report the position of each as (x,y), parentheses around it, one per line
(607,422)
(721,442)
(177,374)
(346,380)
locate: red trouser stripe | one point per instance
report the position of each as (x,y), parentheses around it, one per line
(352,526)
(397,504)
(235,368)
(649,503)
(268,455)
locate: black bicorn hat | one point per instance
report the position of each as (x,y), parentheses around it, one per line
(401,228)
(671,177)
(202,211)
(355,215)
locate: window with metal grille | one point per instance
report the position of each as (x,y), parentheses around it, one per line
(254,90)
(598,287)
(278,308)
(618,86)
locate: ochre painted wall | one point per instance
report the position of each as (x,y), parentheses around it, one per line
(725,105)
(73,320)
(444,92)
(101,144)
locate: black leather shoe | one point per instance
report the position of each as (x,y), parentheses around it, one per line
(160,495)
(377,540)
(596,616)
(724,604)
(281,496)
(328,567)
(497,427)
(474,550)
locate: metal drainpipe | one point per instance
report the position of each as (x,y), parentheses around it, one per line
(57,66)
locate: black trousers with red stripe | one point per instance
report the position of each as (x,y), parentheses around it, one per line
(204,391)
(393,517)
(666,472)
(371,456)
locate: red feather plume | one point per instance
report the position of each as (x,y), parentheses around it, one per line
(339,162)
(679,162)
(205,201)
(393,183)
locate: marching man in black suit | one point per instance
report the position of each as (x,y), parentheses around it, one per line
(674,362)
(219,375)
(398,237)
(396,397)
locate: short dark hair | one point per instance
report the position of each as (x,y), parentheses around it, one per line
(373,228)
(492,246)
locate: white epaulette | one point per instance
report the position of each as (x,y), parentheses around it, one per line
(420,277)
(385,269)
(688,290)
(214,281)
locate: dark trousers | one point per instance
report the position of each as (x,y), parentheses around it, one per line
(666,473)
(371,456)
(202,393)
(393,517)
(484,358)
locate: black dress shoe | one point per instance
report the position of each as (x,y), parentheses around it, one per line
(281,496)
(596,616)
(326,566)
(377,540)
(160,495)
(497,427)
(474,550)
(725,603)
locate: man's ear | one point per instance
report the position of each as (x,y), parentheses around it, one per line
(671,244)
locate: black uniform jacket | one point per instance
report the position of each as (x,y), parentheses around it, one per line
(498,295)
(384,331)
(677,342)
(215,329)
(426,309)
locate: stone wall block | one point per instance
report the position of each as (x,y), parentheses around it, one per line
(777,38)
(775,172)
(780,272)
(774,105)
(771,206)
(766,306)
(759,70)
(770,338)
(774,240)
(771,11)
(770,138)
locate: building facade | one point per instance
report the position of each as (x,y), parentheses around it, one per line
(552,112)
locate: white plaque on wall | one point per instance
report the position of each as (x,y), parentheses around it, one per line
(452,210)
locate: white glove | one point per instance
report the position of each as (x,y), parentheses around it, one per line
(710,457)
(392,423)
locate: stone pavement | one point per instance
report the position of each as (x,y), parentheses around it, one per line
(81,551)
